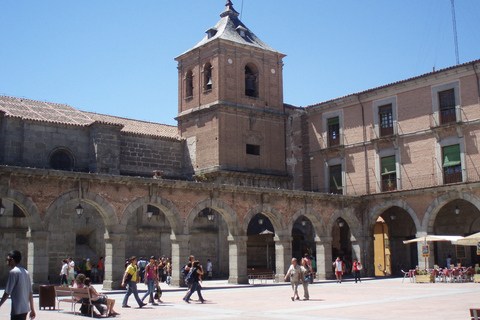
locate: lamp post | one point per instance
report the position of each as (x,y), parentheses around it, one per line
(79,210)
(457,210)
(340,222)
(2,208)
(210,215)
(149,215)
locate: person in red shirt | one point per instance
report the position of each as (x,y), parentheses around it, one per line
(101,270)
(357,267)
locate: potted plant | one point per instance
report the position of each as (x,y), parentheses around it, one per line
(424,277)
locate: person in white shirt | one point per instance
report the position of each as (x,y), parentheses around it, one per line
(19,288)
(63,273)
(339,267)
(296,277)
(209,269)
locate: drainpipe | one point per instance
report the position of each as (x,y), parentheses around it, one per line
(478,80)
(365,155)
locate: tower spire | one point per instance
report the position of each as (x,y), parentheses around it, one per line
(229,11)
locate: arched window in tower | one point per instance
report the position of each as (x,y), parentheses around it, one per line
(251,81)
(207,76)
(189,84)
(61,159)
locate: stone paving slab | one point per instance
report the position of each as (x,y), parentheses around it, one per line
(381,299)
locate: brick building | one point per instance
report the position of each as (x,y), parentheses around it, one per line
(245,180)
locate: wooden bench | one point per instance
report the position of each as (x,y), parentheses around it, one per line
(475,314)
(73,296)
(260,274)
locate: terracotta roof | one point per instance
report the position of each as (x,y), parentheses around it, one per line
(394,83)
(64,114)
(137,126)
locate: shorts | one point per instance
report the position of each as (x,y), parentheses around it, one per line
(338,273)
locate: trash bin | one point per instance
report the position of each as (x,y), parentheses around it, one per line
(46,297)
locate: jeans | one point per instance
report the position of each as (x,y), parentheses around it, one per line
(151,289)
(356,274)
(132,288)
(195,287)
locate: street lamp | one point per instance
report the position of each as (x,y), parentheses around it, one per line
(457,210)
(393,216)
(210,215)
(340,222)
(304,222)
(2,208)
(79,210)
(149,214)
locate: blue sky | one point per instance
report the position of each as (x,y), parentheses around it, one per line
(115,57)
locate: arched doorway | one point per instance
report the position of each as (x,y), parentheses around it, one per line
(341,243)
(148,231)
(261,244)
(457,217)
(394,226)
(303,241)
(209,233)
(78,232)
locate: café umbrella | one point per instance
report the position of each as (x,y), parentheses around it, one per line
(432,237)
(471,240)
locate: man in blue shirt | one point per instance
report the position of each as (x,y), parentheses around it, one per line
(19,288)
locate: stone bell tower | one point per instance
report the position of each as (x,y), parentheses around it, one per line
(230,109)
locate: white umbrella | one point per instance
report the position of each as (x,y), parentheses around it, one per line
(470,240)
(432,237)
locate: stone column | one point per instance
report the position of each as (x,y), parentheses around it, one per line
(37,257)
(425,263)
(180,253)
(283,256)
(324,258)
(237,264)
(114,260)
(368,260)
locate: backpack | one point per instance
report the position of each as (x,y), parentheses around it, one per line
(183,271)
(189,277)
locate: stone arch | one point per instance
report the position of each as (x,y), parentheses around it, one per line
(224,209)
(381,207)
(313,216)
(26,204)
(437,204)
(347,215)
(272,214)
(168,208)
(103,207)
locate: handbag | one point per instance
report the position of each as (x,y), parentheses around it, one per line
(359,266)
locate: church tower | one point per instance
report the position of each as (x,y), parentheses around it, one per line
(230,108)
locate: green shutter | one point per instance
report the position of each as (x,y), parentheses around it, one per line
(451,156)
(388,165)
(333,121)
(336,177)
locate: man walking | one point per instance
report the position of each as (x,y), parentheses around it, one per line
(296,277)
(19,288)
(130,279)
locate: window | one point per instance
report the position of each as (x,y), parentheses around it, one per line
(189,84)
(253,149)
(251,85)
(17,212)
(207,77)
(333,131)
(446,101)
(335,182)
(389,173)
(386,120)
(452,165)
(61,160)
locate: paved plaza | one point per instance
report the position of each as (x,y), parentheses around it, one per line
(372,299)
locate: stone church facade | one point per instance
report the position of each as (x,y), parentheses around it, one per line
(244,179)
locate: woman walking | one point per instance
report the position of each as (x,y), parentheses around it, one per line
(150,279)
(64,273)
(357,267)
(307,273)
(194,277)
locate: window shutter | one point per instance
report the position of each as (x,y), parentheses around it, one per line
(333,121)
(336,177)
(451,156)
(388,165)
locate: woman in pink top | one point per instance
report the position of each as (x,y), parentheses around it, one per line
(150,276)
